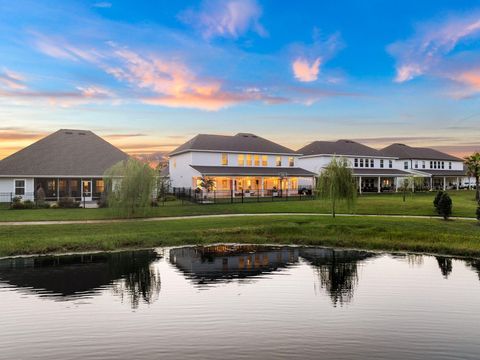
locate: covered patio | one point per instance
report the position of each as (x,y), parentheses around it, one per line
(378,180)
(250,181)
(88,189)
(445,179)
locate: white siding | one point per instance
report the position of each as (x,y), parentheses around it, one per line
(7,186)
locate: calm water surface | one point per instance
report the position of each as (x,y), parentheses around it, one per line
(239,302)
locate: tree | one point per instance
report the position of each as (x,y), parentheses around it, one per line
(206,183)
(337,184)
(445,206)
(437,200)
(410,183)
(129,186)
(473,169)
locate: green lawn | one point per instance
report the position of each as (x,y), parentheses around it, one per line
(456,237)
(464,205)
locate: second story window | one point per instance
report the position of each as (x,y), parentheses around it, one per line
(431,164)
(249,160)
(381,163)
(416,164)
(390,164)
(256,160)
(366,163)
(443,164)
(405,165)
(241,160)
(450,165)
(355,163)
(264,160)
(372,163)
(291,161)
(361,162)
(224,159)
(423,164)
(278,161)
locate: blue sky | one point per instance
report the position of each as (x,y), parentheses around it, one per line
(148,75)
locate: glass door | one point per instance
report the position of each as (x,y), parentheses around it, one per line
(87,190)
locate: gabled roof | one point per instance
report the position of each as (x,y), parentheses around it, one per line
(240,142)
(63,153)
(403,151)
(340,148)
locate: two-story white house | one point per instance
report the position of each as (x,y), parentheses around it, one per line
(375,171)
(240,163)
(440,170)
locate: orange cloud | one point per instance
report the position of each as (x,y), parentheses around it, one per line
(305,71)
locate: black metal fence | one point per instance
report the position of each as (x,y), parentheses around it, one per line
(240,196)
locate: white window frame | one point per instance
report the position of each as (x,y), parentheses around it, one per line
(15,186)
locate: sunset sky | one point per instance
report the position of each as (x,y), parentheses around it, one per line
(148,75)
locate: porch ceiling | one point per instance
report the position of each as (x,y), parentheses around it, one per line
(251,171)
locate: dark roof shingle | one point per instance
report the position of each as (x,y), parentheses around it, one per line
(403,151)
(238,143)
(63,153)
(339,147)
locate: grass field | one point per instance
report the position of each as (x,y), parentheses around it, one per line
(464,205)
(455,237)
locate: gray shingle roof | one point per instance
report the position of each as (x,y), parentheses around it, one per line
(251,171)
(63,153)
(339,147)
(403,151)
(238,143)
(446,173)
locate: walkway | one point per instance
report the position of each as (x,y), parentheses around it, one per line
(172,218)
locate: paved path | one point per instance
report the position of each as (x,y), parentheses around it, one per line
(108,221)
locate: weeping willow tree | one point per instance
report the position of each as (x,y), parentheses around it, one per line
(129,186)
(337,184)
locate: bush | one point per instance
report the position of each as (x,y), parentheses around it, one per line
(18,204)
(28,204)
(445,206)
(478,213)
(437,200)
(68,203)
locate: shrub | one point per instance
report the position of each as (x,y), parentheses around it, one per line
(445,206)
(478,213)
(437,200)
(28,204)
(68,203)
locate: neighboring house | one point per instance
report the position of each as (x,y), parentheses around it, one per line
(374,170)
(243,163)
(67,163)
(440,170)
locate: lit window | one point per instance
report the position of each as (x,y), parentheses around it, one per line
(100,186)
(241,160)
(256,160)
(224,159)
(264,160)
(355,162)
(278,161)
(405,165)
(381,163)
(19,187)
(390,164)
(249,160)
(291,161)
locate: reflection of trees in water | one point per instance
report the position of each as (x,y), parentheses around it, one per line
(337,270)
(475,265)
(445,265)
(415,259)
(70,277)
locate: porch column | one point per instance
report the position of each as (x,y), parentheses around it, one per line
(58,189)
(288,186)
(458,183)
(234,187)
(396,183)
(262,187)
(431,183)
(360,184)
(379,190)
(444,183)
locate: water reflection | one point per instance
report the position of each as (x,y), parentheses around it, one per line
(210,264)
(445,265)
(69,277)
(337,270)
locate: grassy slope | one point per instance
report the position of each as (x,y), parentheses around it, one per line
(428,235)
(417,204)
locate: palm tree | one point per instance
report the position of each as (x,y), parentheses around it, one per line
(337,184)
(206,183)
(473,170)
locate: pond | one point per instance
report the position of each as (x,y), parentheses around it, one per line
(240,302)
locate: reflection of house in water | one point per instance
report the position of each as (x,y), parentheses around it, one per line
(337,270)
(213,263)
(129,274)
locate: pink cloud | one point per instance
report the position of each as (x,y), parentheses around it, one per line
(425,51)
(306,71)
(12,80)
(226,18)
(58,48)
